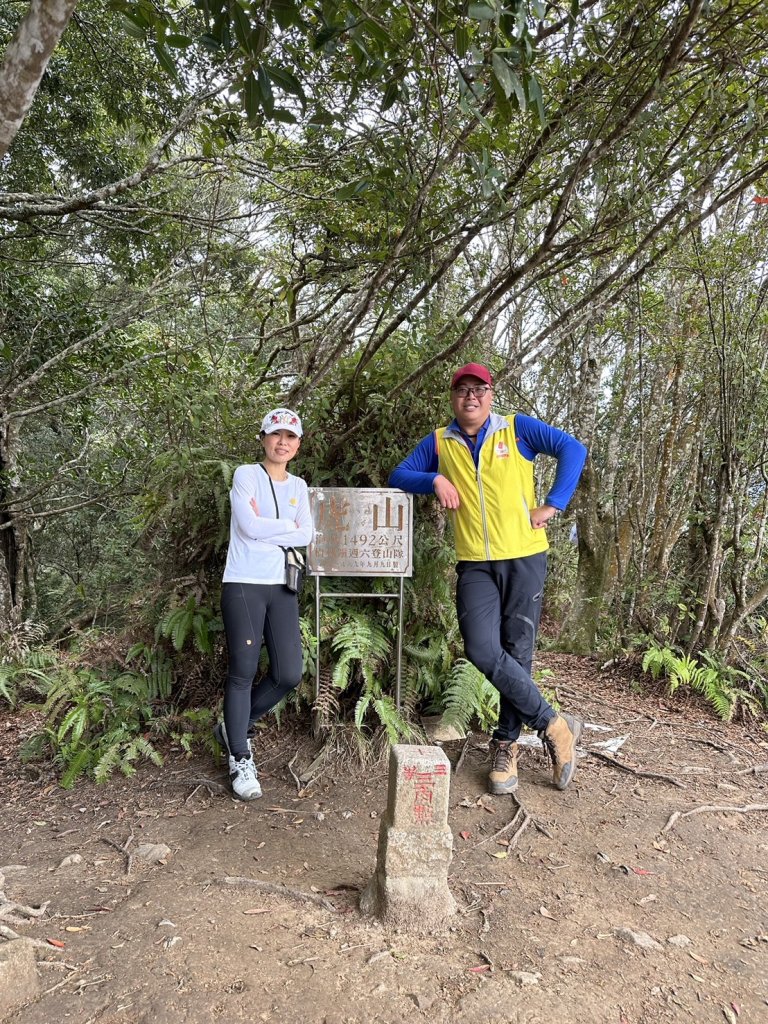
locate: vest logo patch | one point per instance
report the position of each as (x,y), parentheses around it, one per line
(501,450)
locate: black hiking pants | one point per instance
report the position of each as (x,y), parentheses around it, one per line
(499,607)
(252,613)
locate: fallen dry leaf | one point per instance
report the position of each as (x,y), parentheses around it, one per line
(545,913)
(465,835)
(482,969)
(257,910)
(57,943)
(499,855)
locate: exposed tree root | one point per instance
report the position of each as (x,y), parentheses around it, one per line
(122,849)
(279,890)
(712,809)
(519,823)
(636,771)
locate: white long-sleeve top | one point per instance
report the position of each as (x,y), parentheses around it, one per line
(255,552)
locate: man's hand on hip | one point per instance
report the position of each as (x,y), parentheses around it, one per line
(446,493)
(540,516)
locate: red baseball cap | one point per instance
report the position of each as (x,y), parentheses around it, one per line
(473,370)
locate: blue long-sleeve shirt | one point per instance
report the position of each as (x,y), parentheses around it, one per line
(417,472)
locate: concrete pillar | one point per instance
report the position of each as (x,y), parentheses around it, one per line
(409,889)
(19,982)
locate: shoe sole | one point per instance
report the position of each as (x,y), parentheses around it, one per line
(577,727)
(247,799)
(502,788)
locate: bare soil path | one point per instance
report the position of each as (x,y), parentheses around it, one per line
(598,906)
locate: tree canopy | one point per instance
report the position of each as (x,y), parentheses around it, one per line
(213,207)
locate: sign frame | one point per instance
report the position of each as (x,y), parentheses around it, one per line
(370,525)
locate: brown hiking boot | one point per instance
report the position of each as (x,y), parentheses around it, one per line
(503,775)
(560,739)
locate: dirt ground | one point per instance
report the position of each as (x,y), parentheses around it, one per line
(550,927)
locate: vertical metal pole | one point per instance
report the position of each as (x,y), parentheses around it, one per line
(399,646)
(317,636)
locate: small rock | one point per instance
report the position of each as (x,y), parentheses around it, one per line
(437,732)
(523,978)
(153,853)
(381,955)
(318,816)
(425,1000)
(346,814)
(679,940)
(641,939)
(73,858)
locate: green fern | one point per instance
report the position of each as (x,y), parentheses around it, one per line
(8,689)
(658,660)
(468,695)
(395,725)
(725,688)
(156,670)
(76,765)
(360,709)
(197,621)
(359,643)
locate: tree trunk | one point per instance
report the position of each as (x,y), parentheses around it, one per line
(13,531)
(25,62)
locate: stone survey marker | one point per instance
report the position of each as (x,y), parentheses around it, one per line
(410,886)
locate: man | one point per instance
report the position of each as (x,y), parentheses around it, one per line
(481,469)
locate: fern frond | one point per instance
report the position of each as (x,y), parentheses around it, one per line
(76,767)
(108,760)
(360,708)
(468,695)
(394,723)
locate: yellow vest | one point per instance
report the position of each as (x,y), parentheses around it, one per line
(493,519)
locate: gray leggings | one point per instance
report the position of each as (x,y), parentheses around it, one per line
(252,612)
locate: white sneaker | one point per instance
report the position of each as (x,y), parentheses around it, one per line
(245,780)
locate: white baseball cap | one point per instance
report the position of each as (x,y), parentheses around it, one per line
(281,419)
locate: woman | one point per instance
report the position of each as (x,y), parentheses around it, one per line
(270,511)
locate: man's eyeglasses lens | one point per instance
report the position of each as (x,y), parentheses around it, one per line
(479,392)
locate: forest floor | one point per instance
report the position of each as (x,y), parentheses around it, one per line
(604,910)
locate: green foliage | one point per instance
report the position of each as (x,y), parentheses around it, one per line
(362,649)
(346,264)
(155,668)
(95,724)
(725,688)
(469,696)
(191,620)
(28,674)
(191,729)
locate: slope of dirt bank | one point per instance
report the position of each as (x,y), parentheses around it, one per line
(550,916)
